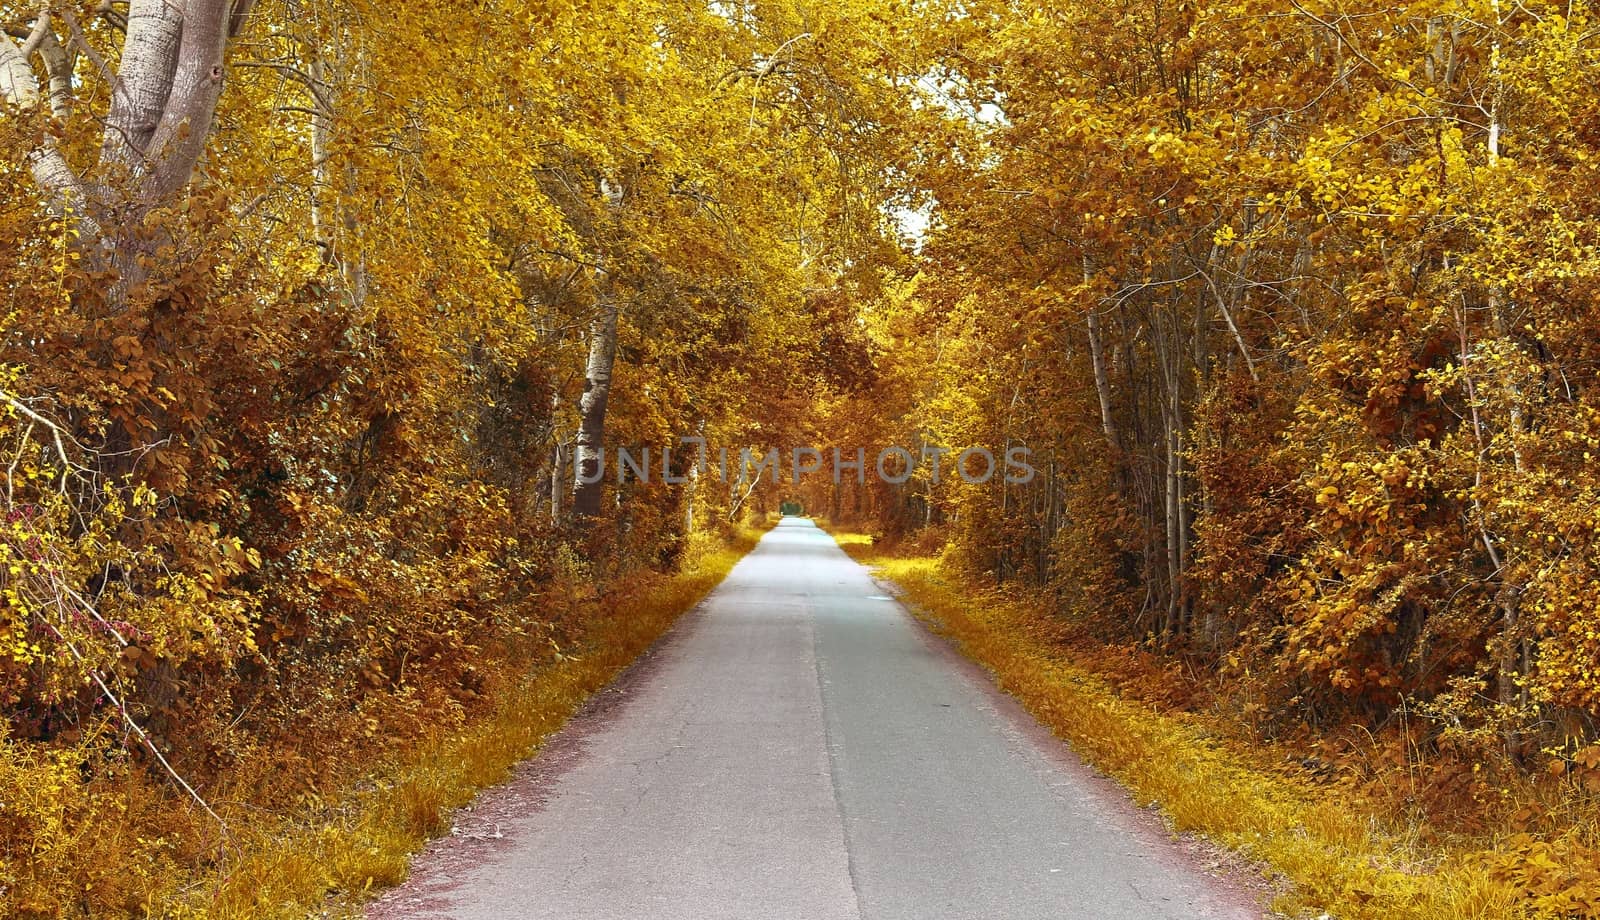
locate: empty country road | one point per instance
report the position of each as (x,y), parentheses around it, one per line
(799,748)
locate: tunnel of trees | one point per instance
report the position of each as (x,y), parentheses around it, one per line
(319,316)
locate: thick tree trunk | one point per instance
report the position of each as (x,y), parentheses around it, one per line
(144,81)
(587,457)
(163,102)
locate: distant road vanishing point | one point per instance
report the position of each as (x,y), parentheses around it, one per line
(799,748)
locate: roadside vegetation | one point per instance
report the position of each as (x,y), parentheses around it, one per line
(359,838)
(1349,837)
(123,842)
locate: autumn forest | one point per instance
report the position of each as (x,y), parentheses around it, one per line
(321,316)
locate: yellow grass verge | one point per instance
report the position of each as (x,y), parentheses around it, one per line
(328,866)
(1336,861)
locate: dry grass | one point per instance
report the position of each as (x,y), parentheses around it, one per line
(1334,859)
(329,860)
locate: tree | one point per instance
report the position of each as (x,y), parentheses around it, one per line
(164,92)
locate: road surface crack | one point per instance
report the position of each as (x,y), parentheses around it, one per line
(833,766)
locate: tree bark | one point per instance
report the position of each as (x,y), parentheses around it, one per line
(163,104)
(587,457)
(144,81)
(58,64)
(195,88)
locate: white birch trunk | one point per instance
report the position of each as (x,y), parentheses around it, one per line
(586,456)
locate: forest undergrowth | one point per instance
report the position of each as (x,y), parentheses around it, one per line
(319,841)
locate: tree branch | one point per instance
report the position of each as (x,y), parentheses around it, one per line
(241,12)
(196,86)
(19,85)
(41,28)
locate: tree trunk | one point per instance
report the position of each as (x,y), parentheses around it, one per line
(1174,550)
(163,102)
(587,452)
(693,487)
(149,63)
(1171,356)
(1102,384)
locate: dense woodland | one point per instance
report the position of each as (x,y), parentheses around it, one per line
(316,312)
(1292,305)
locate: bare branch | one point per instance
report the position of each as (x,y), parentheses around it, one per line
(58,434)
(241,12)
(107,10)
(19,86)
(81,42)
(317,88)
(41,28)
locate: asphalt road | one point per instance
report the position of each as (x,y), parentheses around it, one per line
(800,749)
